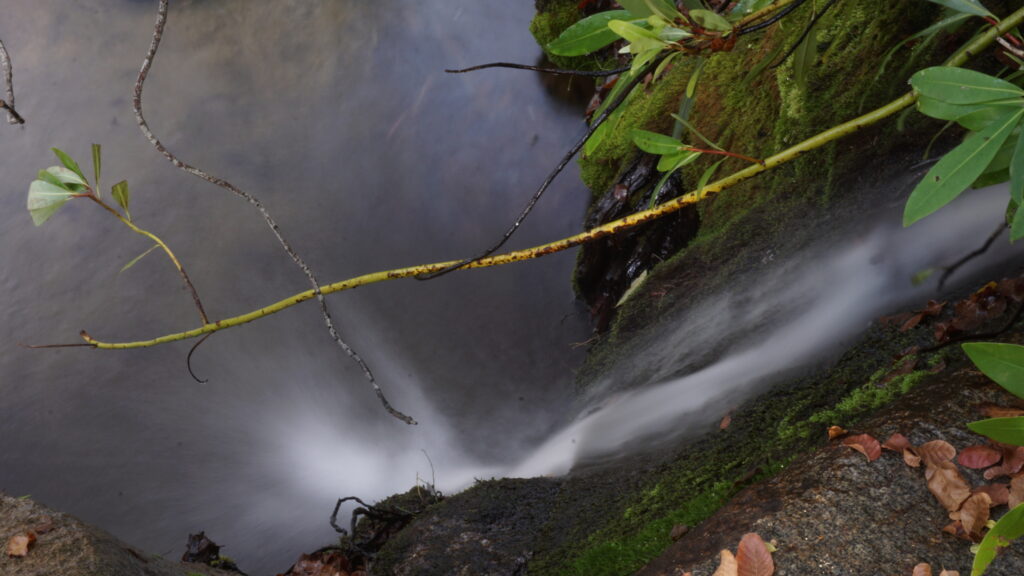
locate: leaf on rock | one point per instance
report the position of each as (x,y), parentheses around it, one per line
(897,442)
(911,458)
(753,557)
(956,529)
(947,485)
(19,544)
(936,452)
(1013,461)
(974,514)
(922,569)
(835,432)
(866,445)
(999,492)
(979,457)
(1016,491)
(949,573)
(994,411)
(727,565)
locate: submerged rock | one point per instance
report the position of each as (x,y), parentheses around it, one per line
(66,546)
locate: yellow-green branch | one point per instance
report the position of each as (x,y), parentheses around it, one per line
(631,221)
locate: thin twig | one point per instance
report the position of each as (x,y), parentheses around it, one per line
(633,82)
(772,20)
(803,36)
(5,62)
(948,271)
(158,31)
(188,359)
(556,71)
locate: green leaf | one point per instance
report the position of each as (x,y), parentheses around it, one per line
(672,162)
(1003,363)
(44,199)
(921,276)
(1017,170)
(47,176)
(632,32)
(96,166)
(597,137)
(120,194)
(965,6)
(1005,430)
(68,179)
(68,162)
(664,64)
(1008,528)
(805,57)
(135,260)
(654,143)
(665,9)
(959,168)
(962,86)
(1017,225)
(711,21)
(640,7)
(708,174)
(643,59)
(587,35)
(928,34)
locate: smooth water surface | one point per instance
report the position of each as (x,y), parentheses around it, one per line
(338,116)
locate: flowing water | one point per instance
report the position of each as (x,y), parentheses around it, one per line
(338,115)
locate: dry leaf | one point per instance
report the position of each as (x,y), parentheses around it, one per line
(753,557)
(1016,495)
(993,411)
(911,458)
(18,545)
(949,573)
(922,569)
(957,529)
(726,420)
(936,452)
(897,442)
(727,565)
(948,486)
(974,514)
(979,457)
(865,444)
(998,492)
(1013,461)
(835,432)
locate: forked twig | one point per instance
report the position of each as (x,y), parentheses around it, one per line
(158,31)
(948,271)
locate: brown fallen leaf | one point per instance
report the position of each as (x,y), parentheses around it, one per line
(1016,491)
(1013,461)
(726,420)
(897,442)
(19,544)
(911,458)
(949,573)
(727,565)
(947,485)
(979,457)
(835,432)
(994,411)
(753,557)
(957,529)
(922,569)
(865,444)
(998,492)
(974,513)
(936,452)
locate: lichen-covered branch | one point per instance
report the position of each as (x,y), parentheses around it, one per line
(5,62)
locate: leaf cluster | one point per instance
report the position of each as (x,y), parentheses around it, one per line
(54,186)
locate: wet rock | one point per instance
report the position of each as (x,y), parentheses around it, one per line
(833,512)
(66,546)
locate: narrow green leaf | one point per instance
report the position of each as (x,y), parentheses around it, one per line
(928,34)
(672,162)
(708,174)
(44,199)
(587,35)
(1017,170)
(673,34)
(1003,363)
(962,86)
(693,130)
(1005,430)
(634,33)
(120,194)
(135,260)
(47,176)
(641,60)
(980,119)
(1008,528)
(68,162)
(965,6)
(597,137)
(96,166)
(67,178)
(805,57)
(664,64)
(958,169)
(663,8)
(654,143)
(637,8)
(711,21)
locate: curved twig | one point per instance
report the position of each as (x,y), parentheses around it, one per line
(771,20)
(803,36)
(158,31)
(555,71)
(188,359)
(554,173)
(5,62)
(948,271)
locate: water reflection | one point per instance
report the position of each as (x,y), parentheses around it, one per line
(338,116)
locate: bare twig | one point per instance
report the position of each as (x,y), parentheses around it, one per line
(633,82)
(556,71)
(772,20)
(5,62)
(158,31)
(1015,50)
(948,271)
(188,359)
(803,36)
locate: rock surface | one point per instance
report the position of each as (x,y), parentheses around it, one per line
(66,546)
(834,513)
